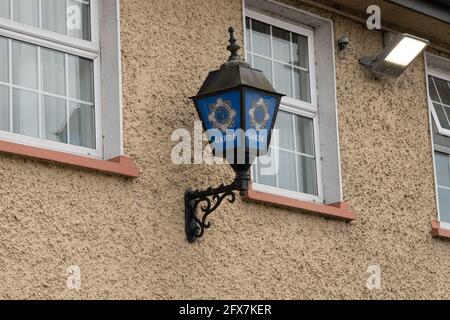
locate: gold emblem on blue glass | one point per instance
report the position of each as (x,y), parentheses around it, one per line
(259,114)
(222,115)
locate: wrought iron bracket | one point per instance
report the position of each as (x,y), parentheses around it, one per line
(207,201)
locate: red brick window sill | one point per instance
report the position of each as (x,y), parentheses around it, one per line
(438,232)
(122,165)
(339,210)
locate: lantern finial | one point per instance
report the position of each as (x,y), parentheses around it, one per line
(233,47)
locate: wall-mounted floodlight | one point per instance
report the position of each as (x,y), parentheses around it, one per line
(396,56)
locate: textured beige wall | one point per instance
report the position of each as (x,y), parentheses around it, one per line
(128,235)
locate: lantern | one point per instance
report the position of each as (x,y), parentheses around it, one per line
(238,107)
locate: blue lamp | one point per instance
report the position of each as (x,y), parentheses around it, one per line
(238,107)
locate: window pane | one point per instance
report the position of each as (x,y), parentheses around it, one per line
(4,9)
(307,175)
(305,136)
(4,108)
(53,75)
(54,15)
(287,67)
(53,110)
(261,38)
(281,45)
(264,65)
(441,116)
(444,205)
(447,111)
(286,131)
(442,169)
(81,79)
(443,90)
(283,79)
(266,166)
(54,117)
(268,180)
(26,11)
(79,20)
(433,94)
(300,50)
(287,63)
(72,18)
(248,41)
(300,177)
(4,63)
(82,125)
(24,64)
(301,85)
(25,113)
(286,171)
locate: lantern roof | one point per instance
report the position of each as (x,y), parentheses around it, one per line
(235,73)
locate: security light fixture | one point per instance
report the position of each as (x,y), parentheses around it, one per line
(396,56)
(343,43)
(238,107)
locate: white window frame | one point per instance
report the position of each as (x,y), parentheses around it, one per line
(439,67)
(294,106)
(446,151)
(105,34)
(438,74)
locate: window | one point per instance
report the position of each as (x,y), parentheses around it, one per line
(439,101)
(442,161)
(439,88)
(295,49)
(52,15)
(282,55)
(51,75)
(284,52)
(48,89)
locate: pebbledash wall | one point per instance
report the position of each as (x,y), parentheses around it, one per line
(127,235)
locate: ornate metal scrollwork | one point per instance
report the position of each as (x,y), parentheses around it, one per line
(206,202)
(195,226)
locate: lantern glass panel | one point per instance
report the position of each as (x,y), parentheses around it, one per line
(221,117)
(259,118)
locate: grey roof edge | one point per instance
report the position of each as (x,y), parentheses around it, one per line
(438,9)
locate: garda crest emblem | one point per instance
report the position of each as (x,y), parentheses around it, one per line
(222,115)
(259,114)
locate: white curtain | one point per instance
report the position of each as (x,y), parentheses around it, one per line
(54,101)
(4,9)
(53,75)
(4,108)
(25,113)
(54,15)
(82,125)
(26,11)
(54,123)
(4,68)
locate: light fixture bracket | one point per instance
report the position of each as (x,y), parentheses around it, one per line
(367,61)
(209,200)
(404,47)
